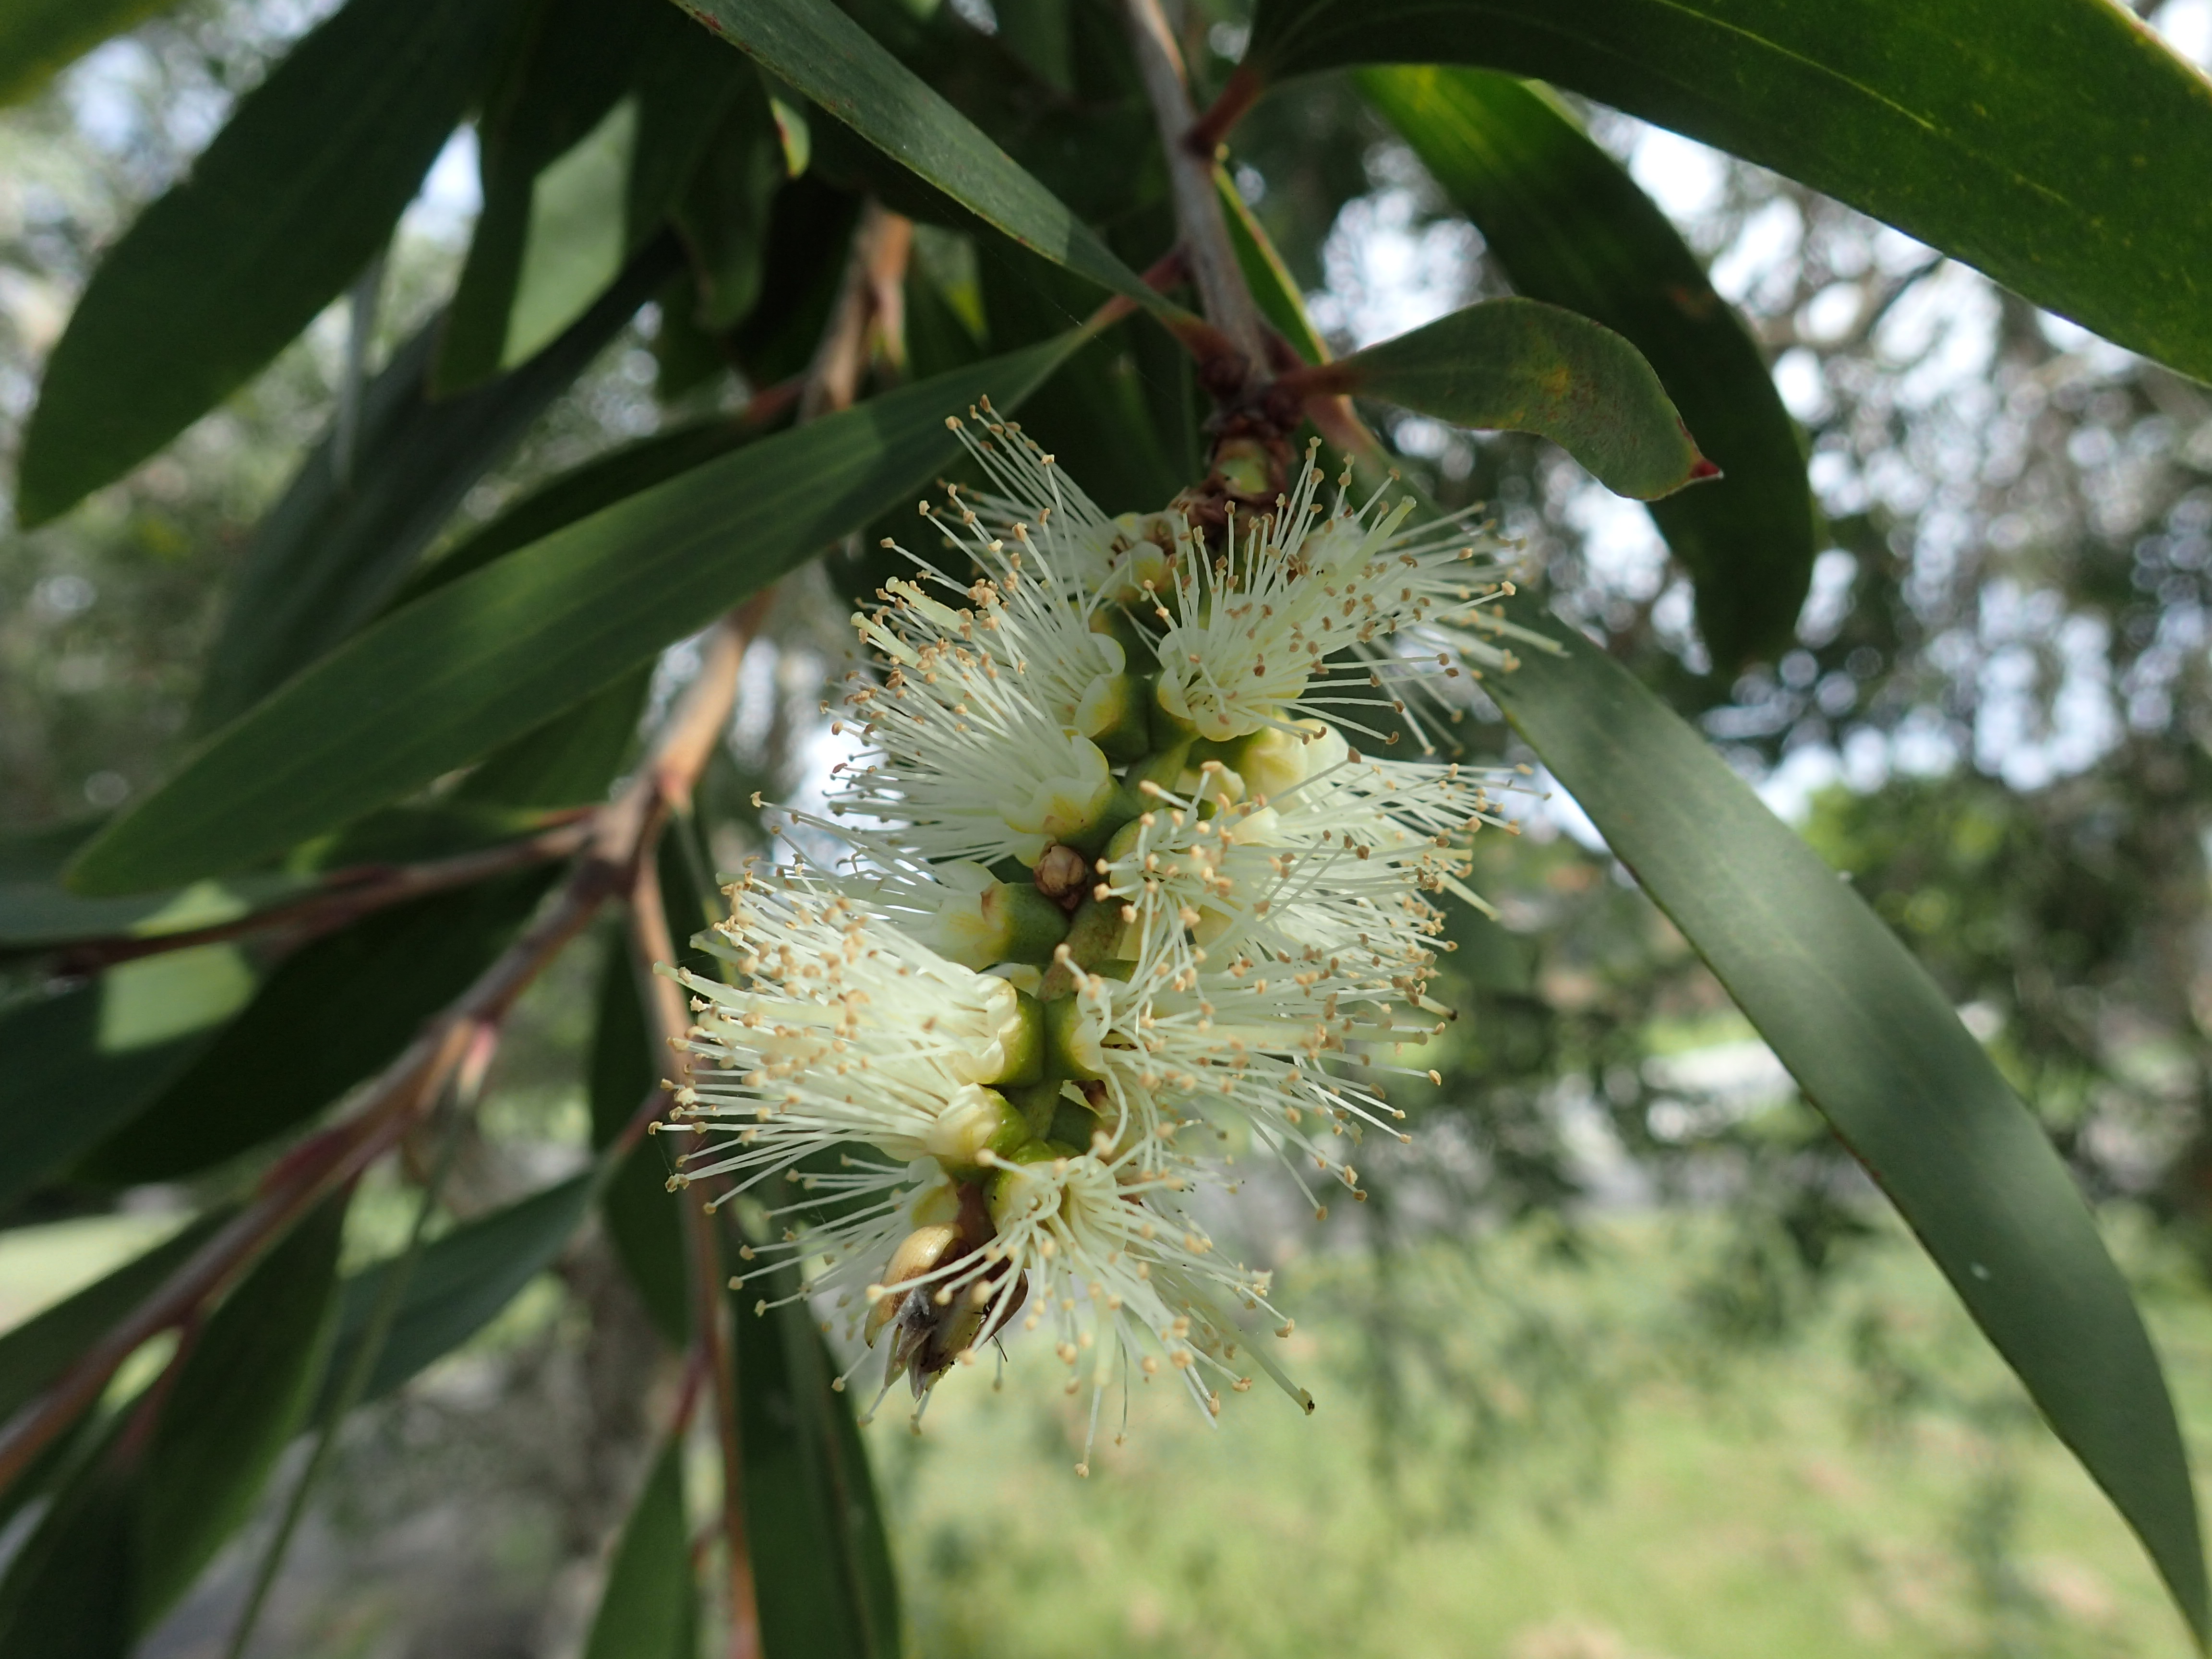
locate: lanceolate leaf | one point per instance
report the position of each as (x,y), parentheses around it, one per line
(147,1506)
(241,1389)
(820,52)
(37,37)
(331,552)
(80,1064)
(459,1284)
(462,670)
(68,1593)
(572,759)
(820,1561)
(1877,1049)
(1522,366)
(37,1351)
(274,218)
(328,1016)
(650,1607)
(1274,289)
(2057,144)
(591,133)
(583,490)
(1570,225)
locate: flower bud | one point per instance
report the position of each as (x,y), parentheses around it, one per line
(1073,789)
(1025,1186)
(1272,760)
(982,921)
(1073,1036)
(1022,1044)
(974,1121)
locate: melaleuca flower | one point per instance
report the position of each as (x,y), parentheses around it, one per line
(844,1032)
(1336,852)
(1116,907)
(929,1269)
(1306,602)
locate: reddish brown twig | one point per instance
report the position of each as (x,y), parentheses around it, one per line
(711,1322)
(1238,97)
(620,834)
(346,896)
(870,306)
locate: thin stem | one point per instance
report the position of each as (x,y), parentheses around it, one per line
(710,1310)
(869,306)
(1242,91)
(1212,260)
(347,896)
(620,834)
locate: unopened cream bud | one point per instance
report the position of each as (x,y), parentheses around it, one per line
(976,1121)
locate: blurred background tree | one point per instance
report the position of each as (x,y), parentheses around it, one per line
(1639,1363)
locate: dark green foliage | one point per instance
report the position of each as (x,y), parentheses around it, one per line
(649,1609)
(85,1062)
(36,1351)
(241,1389)
(2032,139)
(1876,1047)
(389,688)
(571,759)
(151,1503)
(287,205)
(820,1560)
(39,37)
(484,659)
(1524,366)
(641,1219)
(822,53)
(456,1286)
(558,222)
(1569,226)
(328,1017)
(331,553)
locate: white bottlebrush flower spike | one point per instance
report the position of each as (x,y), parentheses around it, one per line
(1119,902)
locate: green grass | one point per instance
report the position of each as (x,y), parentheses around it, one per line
(1580,1465)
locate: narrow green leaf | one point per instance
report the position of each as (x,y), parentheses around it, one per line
(328,555)
(1522,366)
(639,1213)
(1274,289)
(1877,1049)
(2057,144)
(582,491)
(722,213)
(330,1016)
(437,684)
(40,37)
(37,1351)
(1569,226)
(822,53)
(821,1563)
(1092,411)
(650,1607)
(589,136)
(241,1391)
(274,218)
(459,1284)
(69,1591)
(83,1063)
(572,759)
